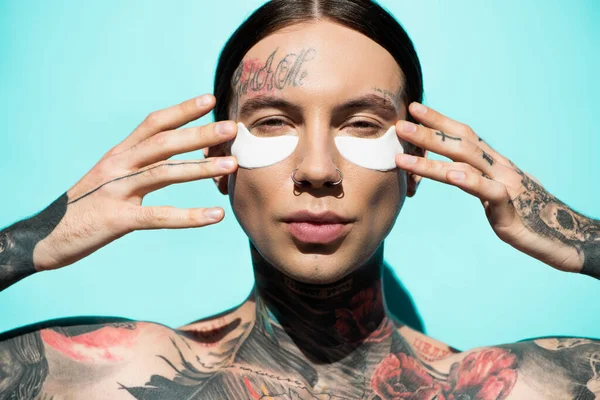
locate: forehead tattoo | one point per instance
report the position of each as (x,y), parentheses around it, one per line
(262,77)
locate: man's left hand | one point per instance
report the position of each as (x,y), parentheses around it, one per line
(521,212)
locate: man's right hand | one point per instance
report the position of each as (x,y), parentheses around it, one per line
(107,202)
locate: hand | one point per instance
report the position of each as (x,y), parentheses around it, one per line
(106,203)
(521,212)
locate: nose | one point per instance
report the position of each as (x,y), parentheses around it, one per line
(317,155)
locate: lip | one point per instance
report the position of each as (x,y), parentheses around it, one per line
(319,228)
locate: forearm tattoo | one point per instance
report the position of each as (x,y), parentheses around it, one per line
(546,215)
(18,241)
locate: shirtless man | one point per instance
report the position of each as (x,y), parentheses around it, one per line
(315,326)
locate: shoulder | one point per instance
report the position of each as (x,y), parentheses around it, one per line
(57,355)
(537,368)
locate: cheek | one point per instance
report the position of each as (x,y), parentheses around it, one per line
(385,199)
(252,194)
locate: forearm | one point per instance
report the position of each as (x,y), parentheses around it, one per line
(18,241)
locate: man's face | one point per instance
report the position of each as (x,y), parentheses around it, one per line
(316,68)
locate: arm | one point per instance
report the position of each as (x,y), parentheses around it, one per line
(544,368)
(521,212)
(18,241)
(45,354)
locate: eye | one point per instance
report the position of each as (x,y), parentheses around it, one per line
(364,124)
(271,122)
(270,127)
(365,128)
(276,122)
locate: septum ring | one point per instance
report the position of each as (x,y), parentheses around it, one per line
(330,183)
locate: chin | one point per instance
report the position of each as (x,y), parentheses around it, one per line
(316,268)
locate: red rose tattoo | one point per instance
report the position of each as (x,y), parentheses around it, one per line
(484,375)
(401,377)
(364,321)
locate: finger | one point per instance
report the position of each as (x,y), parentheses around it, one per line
(168,118)
(161,217)
(166,173)
(494,196)
(169,143)
(456,148)
(438,121)
(432,169)
(499,209)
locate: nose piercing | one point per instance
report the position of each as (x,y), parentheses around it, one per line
(330,183)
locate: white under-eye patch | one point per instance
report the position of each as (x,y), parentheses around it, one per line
(378,154)
(255,152)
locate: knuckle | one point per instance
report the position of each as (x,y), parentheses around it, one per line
(106,167)
(144,216)
(461,166)
(499,192)
(467,130)
(153,119)
(111,152)
(184,108)
(161,139)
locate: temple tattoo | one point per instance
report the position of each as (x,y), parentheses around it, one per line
(18,241)
(395,98)
(548,216)
(254,75)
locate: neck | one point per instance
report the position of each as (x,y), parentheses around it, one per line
(317,318)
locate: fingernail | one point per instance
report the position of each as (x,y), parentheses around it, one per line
(408,159)
(213,213)
(419,108)
(406,126)
(225,127)
(225,163)
(203,101)
(457,175)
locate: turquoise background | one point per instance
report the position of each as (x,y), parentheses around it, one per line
(77,77)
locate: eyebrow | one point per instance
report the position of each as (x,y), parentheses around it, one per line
(378,104)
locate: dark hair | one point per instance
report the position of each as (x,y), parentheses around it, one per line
(364,16)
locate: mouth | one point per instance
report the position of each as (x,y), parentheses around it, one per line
(317,228)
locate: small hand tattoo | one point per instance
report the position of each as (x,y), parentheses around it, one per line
(444,136)
(488,158)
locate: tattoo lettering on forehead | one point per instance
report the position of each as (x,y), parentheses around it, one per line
(446,136)
(546,215)
(487,157)
(253,75)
